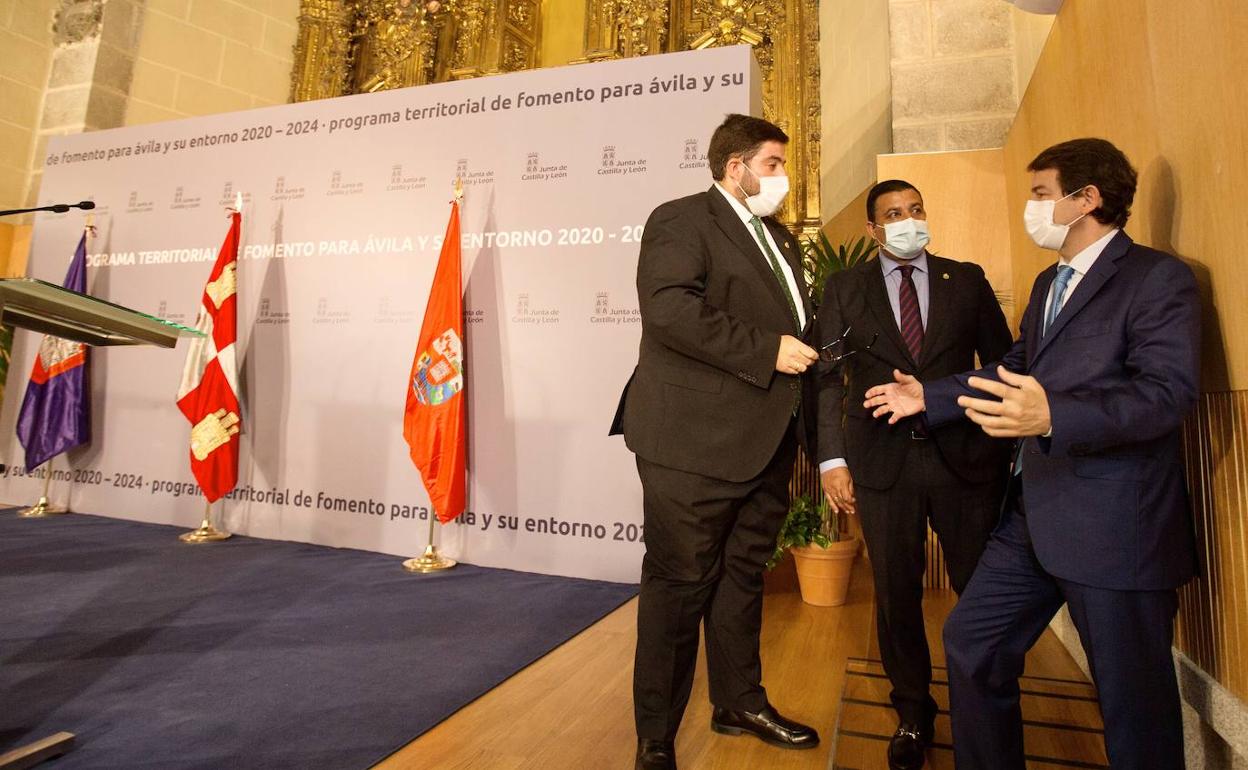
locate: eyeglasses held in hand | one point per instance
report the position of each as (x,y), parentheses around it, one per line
(838,349)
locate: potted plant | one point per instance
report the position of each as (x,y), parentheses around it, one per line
(822,549)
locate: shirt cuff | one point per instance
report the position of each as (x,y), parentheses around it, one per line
(1048,434)
(836,462)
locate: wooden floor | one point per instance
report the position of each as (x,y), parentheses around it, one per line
(573,708)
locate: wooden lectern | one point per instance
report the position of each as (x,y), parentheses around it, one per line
(26,303)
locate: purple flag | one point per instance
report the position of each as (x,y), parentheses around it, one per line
(56,410)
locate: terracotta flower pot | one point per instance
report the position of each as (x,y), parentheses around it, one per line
(823,573)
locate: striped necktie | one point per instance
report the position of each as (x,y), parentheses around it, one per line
(911,318)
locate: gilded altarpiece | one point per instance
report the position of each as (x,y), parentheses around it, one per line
(356,46)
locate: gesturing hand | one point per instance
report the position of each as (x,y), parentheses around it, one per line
(1022,411)
(900,399)
(795,356)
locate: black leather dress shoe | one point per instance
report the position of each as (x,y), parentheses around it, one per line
(655,755)
(908,748)
(766,724)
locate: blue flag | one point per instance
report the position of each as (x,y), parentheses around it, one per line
(56,410)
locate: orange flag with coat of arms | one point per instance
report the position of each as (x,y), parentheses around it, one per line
(435,415)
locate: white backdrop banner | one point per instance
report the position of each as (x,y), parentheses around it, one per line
(346,201)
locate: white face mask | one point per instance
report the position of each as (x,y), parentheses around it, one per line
(905,239)
(772,190)
(1038,219)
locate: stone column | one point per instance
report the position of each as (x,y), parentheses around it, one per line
(92,66)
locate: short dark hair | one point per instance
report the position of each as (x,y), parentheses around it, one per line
(884,188)
(1083,162)
(740,135)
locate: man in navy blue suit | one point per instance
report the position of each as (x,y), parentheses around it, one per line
(1096,517)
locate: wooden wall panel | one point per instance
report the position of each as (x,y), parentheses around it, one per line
(1212,628)
(964,193)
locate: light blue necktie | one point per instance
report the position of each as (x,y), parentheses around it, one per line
(1064,274)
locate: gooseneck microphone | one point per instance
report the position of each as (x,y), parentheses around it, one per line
(56,208)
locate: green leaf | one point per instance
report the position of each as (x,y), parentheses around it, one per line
(820,259)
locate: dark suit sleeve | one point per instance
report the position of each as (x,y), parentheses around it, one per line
(941,396)
(1160,377)
(993,338)
(831,378)
(671,290)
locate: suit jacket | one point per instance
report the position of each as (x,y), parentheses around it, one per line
(964,319)
(1105,496)
(705,396)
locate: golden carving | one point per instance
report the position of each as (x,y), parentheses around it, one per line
(522,15)
(515,55)
(496,36)
(323,51)
(785,38)
(349,46)
(642,26)
(398,38)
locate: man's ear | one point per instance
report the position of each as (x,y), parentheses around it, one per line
(1092,194)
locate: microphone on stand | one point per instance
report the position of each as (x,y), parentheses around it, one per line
(56,208)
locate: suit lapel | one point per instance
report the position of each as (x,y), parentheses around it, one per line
(736,230)
(1036,326)
(939,309)
(1102,270)
(877,301)
(791,252)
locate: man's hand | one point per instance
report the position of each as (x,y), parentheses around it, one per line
(901,398)
(1022,411)
(838,487)
(795,356)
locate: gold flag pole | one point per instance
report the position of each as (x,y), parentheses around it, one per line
(43,508)
(431,560)
(206,532)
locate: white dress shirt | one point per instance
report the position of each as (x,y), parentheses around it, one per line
(746,216)
(1081,263)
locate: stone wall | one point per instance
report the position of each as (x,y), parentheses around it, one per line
(856,98)
(954,73)
(26,40)
(199,57)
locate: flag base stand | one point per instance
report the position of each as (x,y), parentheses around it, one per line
(430,561)
(206,533)
(44,507)
(41,509)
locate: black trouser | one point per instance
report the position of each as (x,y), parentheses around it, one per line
(707,541)
(1126,634)
(894,525)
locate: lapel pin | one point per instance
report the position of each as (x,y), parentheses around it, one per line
(945,276)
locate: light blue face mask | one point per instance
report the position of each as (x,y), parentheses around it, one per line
(905,239)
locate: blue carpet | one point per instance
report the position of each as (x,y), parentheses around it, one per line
(253,653)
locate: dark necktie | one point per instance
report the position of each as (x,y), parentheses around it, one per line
(775,268)
(911,318)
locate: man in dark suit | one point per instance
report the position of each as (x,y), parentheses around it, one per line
(920,313)
(714,413)
(1104,370)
